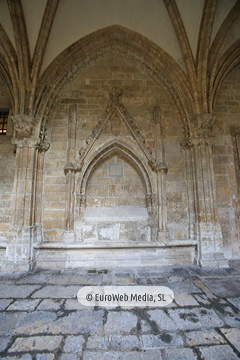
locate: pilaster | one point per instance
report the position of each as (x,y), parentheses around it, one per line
(206,228)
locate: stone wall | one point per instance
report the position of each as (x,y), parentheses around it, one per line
(115,182)
(90,94)
(226,160)
(7,159)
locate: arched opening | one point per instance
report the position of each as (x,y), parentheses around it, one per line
(115,191)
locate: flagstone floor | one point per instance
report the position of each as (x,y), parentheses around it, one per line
(41,319)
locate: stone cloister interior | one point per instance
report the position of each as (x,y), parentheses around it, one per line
(122,140)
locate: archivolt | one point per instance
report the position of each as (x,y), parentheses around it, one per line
(102,153)
(145,55)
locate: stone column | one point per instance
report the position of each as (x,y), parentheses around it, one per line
(42,147)
(207,228)
(20,248)
(70,171)
(161,174)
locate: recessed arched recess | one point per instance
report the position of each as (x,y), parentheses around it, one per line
(134,157)
(121,222)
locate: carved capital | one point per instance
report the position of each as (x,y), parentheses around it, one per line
(201,127)
(25,143)
(23,124)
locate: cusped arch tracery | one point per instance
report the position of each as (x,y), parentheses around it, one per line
(101,154)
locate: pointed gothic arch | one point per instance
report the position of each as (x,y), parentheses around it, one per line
(135,158)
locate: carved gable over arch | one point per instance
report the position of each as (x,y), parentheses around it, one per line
(116,114)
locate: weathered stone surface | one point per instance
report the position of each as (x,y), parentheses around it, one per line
(204,337)
(49,304)
(218,352)
(125,342)
(84,321)
(74,344)
(151,355)
(60,292)
(180,353)
(162,340)
(97,342)
(69,357)
(4,303)
(224,288)
(17,291)
(195,318)
(113,355)
(185,300)
(73,304)
(24,305)
(233,335)
(163,321)
(9,322)
(39,278)
(4,341)
(38,322)
(36,343)
(45,357)
(120,322)
(21,357)
(235,302)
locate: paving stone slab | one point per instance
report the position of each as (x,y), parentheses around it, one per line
(74,304)
(151,341)
(163,321)
(180,354)
(235,302)
(185,300)
(113,355)
(17,291)
(98,342)
(79,322)
(34,323)
(79,280)
(4,303)
(23,305)
(21,357)
(32,343)
(120,322)
(218,352)
(204,337)
(50,304)
(69,357)
(40,278)
(57,292)
(151,355)
(224,288)
(195,318)
(9,321)
(202,299)
(4,341)
(74,344)
(233,335)
(45,357)
(183,288)
(125,342)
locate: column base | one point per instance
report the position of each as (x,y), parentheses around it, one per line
(210,253)
(162,236)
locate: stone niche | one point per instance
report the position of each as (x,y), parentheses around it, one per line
(115,203)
